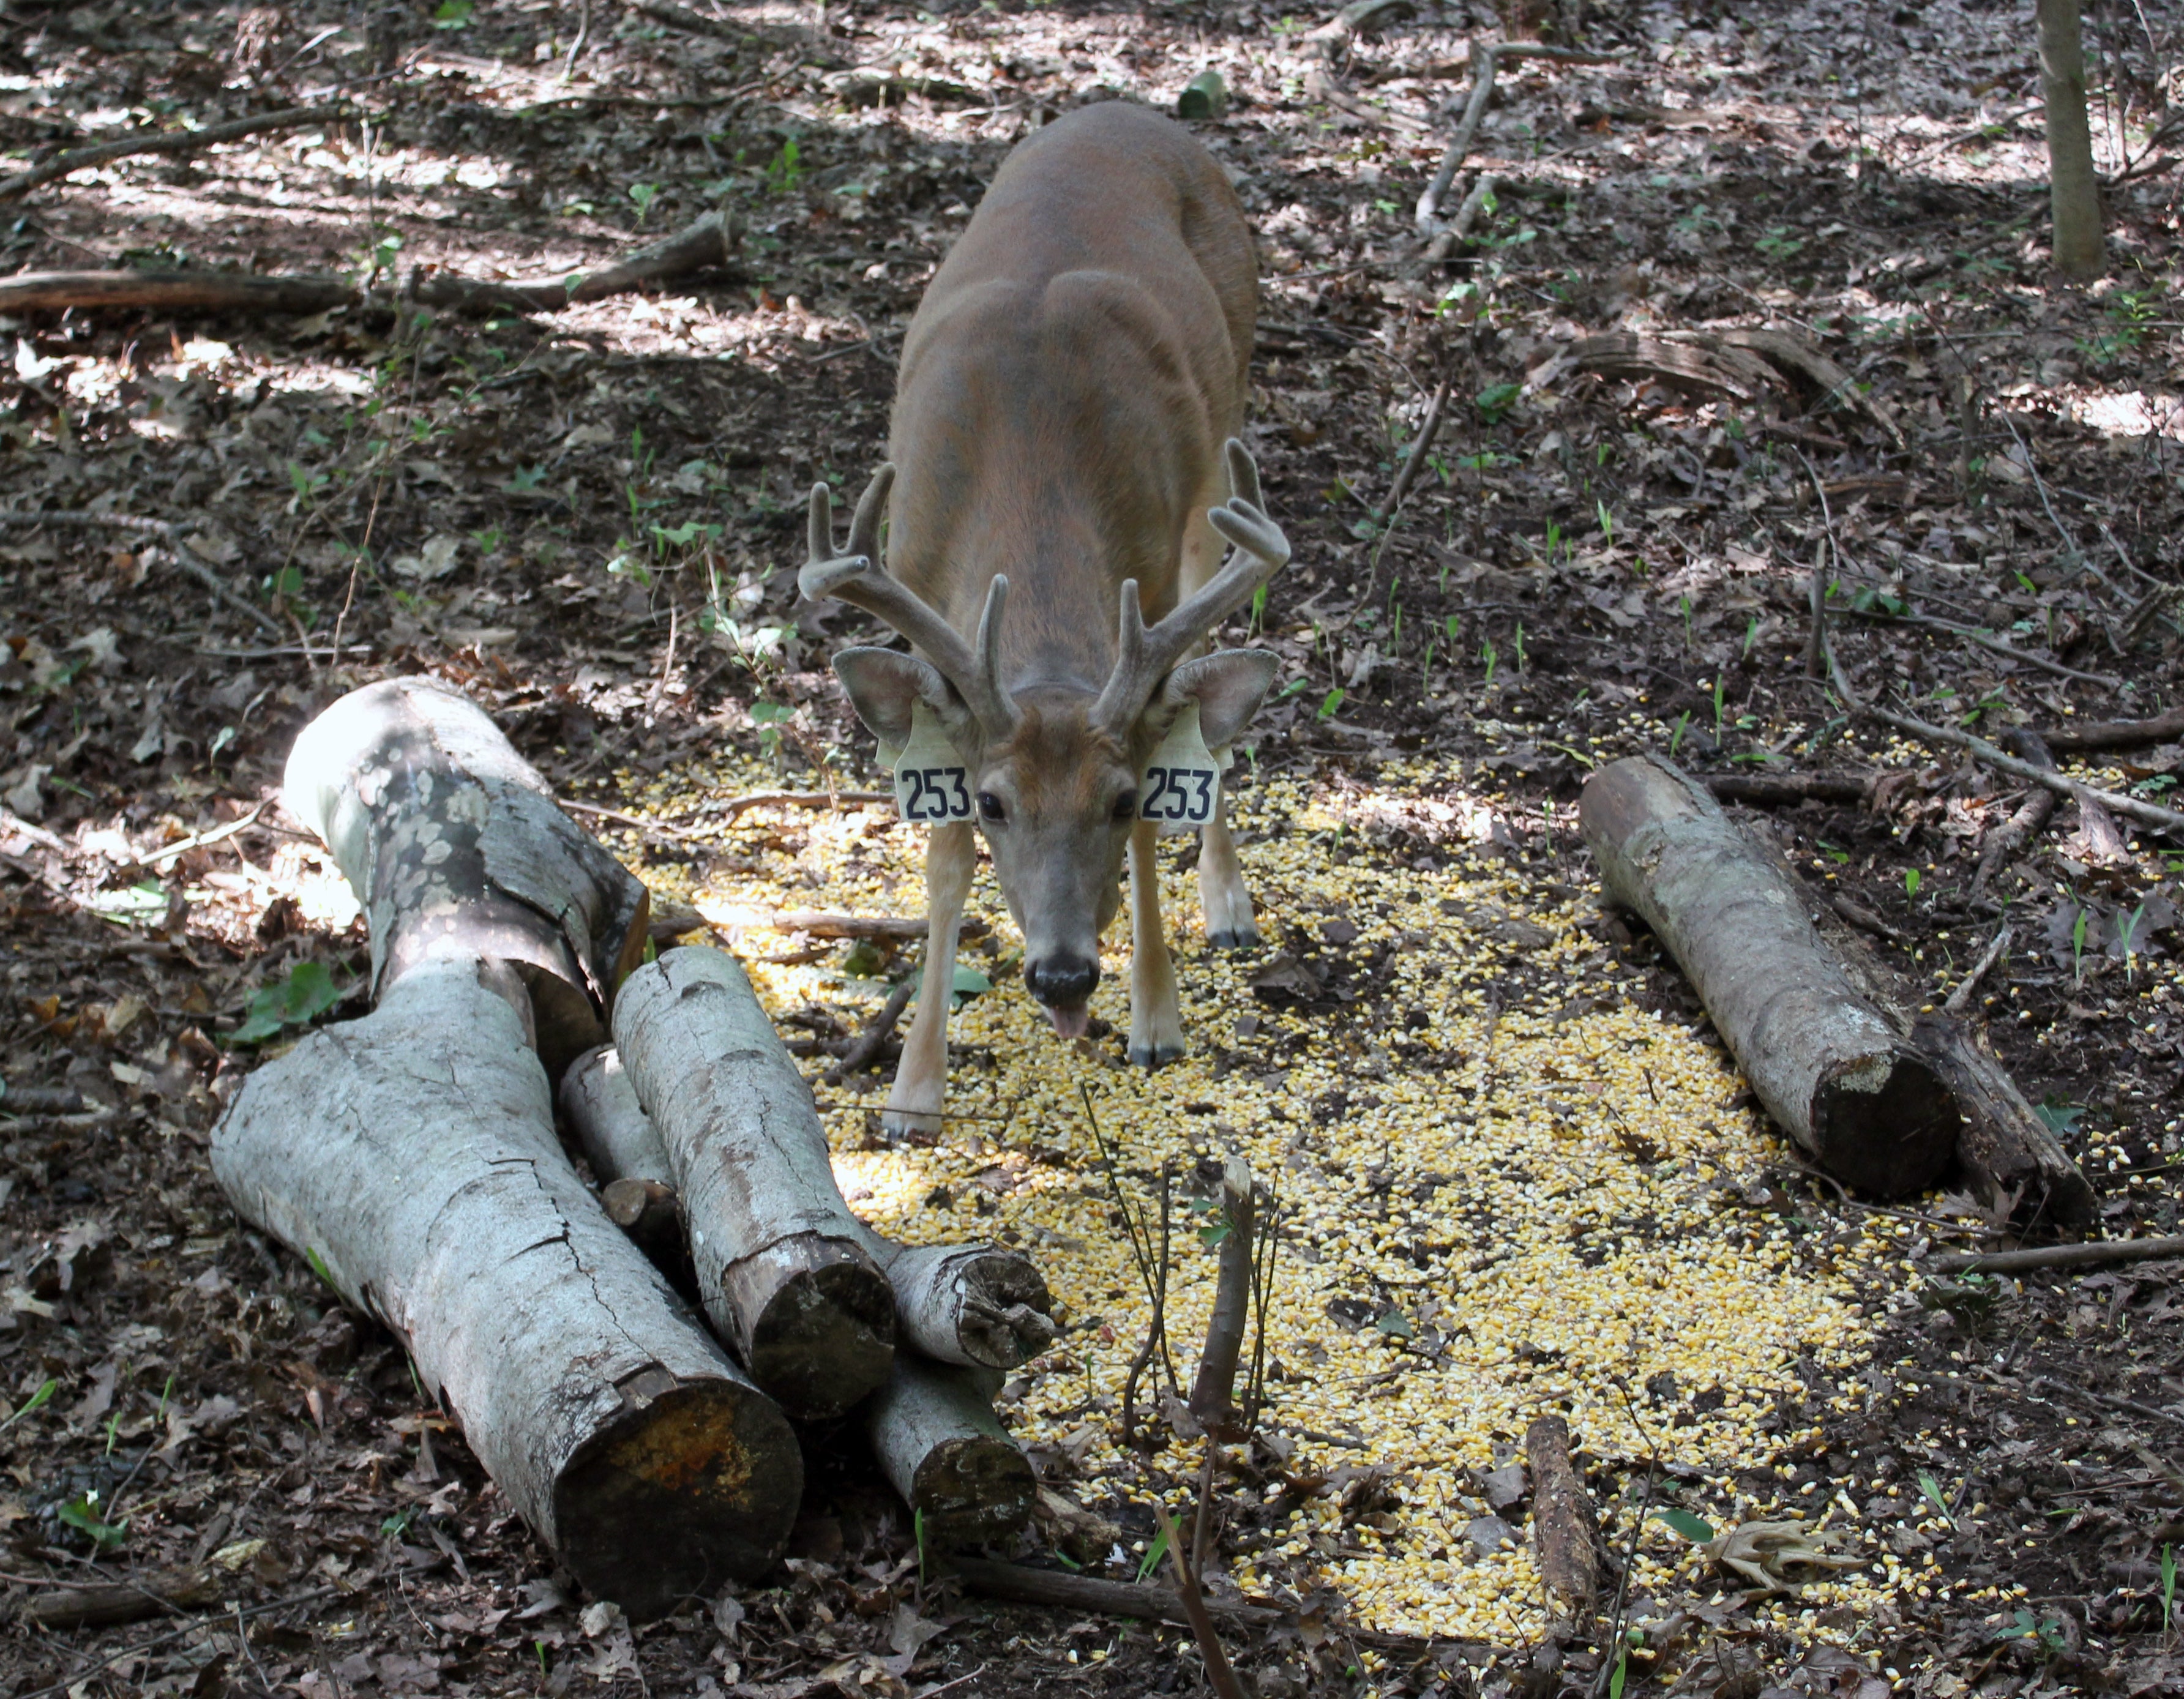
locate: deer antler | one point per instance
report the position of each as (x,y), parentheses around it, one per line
(1144,657)
(860,578)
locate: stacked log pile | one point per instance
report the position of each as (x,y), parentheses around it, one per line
(412,1157)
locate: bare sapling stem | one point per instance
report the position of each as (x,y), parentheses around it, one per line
(1213,1393)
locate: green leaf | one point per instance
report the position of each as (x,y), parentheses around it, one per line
(1396,1324)
(1690,1527)
(970,983)
(319,1267)
(1154,1553)
(1496,399)
(1911,882)
(306,994)
(1332,701)
(454,14)
(1932,1490)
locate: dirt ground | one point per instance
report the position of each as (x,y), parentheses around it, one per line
(586,519)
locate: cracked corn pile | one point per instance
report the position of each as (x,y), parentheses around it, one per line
(1503,1188)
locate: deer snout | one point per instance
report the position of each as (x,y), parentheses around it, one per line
(1063,982)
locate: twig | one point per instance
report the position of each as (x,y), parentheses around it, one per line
(1960,999)
(185,557)
(168,142)
(2031,815)
(1213,1391)
(708,242)
(1428,427)
(1155,1325)
(205,840)
(2086,1255)
(576,46)
(1217,1672)
(801,798)
(1816,592)
(1972,634)
(668,834)
(873,1039)
(1486,58)
(1020,1584)
(2145,813)
(1140,1252)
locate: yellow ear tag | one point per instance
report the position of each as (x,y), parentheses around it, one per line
(932,781)
(1182,779)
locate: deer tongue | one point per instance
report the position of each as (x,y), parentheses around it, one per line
(1070,1022)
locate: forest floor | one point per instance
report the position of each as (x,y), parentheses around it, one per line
(1484,1100)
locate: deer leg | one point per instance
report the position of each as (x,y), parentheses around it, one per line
(1222,892)
(921,1078)
(1155,1015)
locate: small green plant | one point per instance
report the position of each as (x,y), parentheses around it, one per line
(1692,1527)
(785,175)
(397,1526)
(644,195)
(306,994)
(2168,1588)
(318,1267)
(1779,244)
(1154,1553)
(2078,946)
(1931,1490)
(1330,702)
(1517,645)
(1912,880)
(2060,1115)
(1495,401)
(769,717)
(1684,604)
(2046,1630)
(1720,697)
(1259,612)
(1676,737)
(1751,635)
(2127,928)
(454,14)
(1488,654)
(1607,520)
(37,1401)
(82,1515)
(1631,1637)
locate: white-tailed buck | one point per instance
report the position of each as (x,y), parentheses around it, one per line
(1064,467)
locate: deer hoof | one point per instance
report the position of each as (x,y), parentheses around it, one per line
(904,1123)
(1154,1055)
(1234,937)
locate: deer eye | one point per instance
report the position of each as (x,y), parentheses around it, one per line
(1126,806)
(989,806)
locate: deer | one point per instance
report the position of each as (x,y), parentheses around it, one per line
(1064,465)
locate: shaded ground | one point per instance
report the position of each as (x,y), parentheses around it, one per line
(585,520)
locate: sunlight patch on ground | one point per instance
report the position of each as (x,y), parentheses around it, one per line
(1509,1192)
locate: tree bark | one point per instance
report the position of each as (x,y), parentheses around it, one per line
(2073,187)
(1213,1390)
(933,1430)
(2016,1167)
(781,1261)
(410,1156)
(979,1305)
(125,1602)
(454,846)
(171,292)
(1834,1072)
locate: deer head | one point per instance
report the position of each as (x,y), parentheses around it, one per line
(1056,766)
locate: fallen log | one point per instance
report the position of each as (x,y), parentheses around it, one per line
(976,1305)
(934,1431)
(1830,1068)
(2117,734)
(1787,790)
(1565,1524)
(410,1157)
(710,242)
(1838,1047)
(1018,1584)
(455,847)
(782,1265)
(932,1426)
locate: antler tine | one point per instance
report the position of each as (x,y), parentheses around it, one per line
(1258,551)
(862,580)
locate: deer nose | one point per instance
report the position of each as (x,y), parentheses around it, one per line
(1061,981)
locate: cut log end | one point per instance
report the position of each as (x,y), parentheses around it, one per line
(823,1324)
(1886,1125)
(1006,1312)
(694,1485)
(972,1488)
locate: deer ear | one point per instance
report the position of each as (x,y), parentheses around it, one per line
(884,684)
(1227,686)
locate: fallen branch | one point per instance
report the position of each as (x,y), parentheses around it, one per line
(1360,17)
(1563,1522)
(1960,1000)
(872,1040)
(707,243)
(1995,645)
(2145,813)
(822,923)
(1018,1584)
(185,556)
(933,1430)
(710,242)
(1786,790)
(2087,1255)
(168,142)
(1218,1675)
(2116,734)
(123,1602)
(2031,816)
(1486,60)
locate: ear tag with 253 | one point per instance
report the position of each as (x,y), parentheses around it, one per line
(932,781)
(1183,780)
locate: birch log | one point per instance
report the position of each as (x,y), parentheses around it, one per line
(411,1155)
(1830,1067)
(932,1427)
(454,846)
(980,1305)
